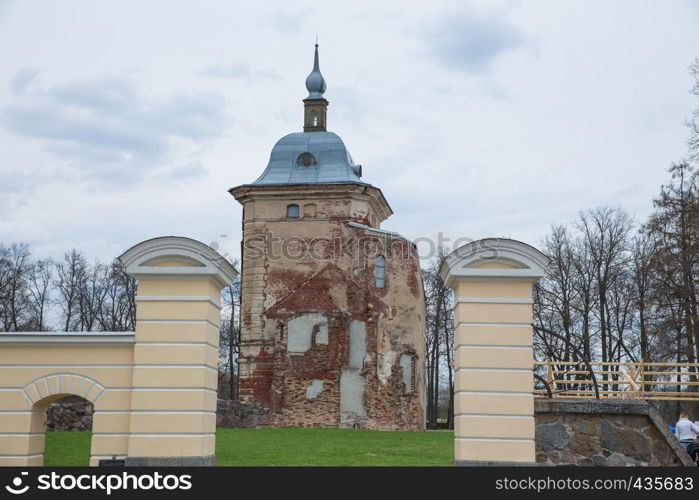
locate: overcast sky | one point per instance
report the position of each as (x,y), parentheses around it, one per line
(121,121)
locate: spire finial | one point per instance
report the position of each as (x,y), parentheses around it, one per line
(315,83)
(315,105)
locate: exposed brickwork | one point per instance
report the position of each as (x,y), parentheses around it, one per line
(394,408)
(299,411)
(295,270)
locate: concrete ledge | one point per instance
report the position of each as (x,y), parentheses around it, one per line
(593,406)
(171,461)
(473,463)
(67,339)
(615,407)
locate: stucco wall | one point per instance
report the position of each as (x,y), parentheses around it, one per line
(493,401)
(36,371)
(153,390)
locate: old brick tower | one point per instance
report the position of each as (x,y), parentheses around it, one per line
(333,309)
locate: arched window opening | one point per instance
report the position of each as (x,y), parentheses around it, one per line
(380,271)
(292,211)
(314,119)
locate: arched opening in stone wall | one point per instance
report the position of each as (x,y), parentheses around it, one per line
(39,422)
(58,422)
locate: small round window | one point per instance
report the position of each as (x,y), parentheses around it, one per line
(306,160)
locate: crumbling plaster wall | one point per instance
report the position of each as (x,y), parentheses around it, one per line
(311,312)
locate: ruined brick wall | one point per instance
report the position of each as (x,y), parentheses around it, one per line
(321,345)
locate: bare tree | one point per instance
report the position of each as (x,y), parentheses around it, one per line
(557,294)
(118,311)
(92,293)
(70,276)
(619,296)
(439,337)
(40,278)
(605,234)
(642,276)
(5,282)
(15,268)
(693,122)
(584,279)
(229,340)
(587,295)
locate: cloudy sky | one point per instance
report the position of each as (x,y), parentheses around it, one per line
(125,120)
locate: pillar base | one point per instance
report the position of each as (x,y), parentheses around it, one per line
(490,463)
(206,461)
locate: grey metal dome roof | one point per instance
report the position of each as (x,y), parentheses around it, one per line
(330,162)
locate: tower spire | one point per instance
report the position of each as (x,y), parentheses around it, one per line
(315,83)
(315,105)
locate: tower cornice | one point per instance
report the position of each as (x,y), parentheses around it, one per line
(253,192)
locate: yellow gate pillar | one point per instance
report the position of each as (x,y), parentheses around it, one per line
(175,372)
(492,281)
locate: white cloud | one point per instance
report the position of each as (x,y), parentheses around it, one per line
(239,69)
(471,40)
(107,129)
(24,78)
(474,120)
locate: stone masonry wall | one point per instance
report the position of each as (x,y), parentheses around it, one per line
(75,414)
(69,414)
(237,414)
(604,433)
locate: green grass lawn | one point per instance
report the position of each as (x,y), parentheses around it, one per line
(293,447)
(67,448)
